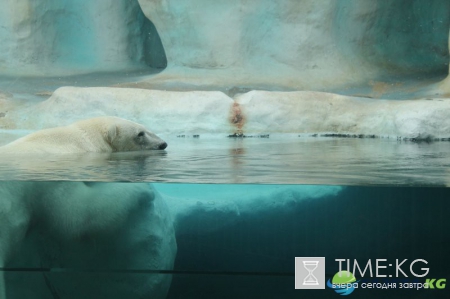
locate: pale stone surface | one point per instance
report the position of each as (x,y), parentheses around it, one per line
(160,111)
(316,112)
(199,112)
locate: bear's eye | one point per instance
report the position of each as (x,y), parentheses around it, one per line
(142,133)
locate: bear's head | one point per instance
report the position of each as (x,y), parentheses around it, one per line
(124,135)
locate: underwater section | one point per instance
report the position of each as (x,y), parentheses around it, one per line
(219,240)
(240,241)
(77,239)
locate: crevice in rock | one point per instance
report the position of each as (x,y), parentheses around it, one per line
(154,54)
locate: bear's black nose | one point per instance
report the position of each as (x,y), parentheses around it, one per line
(162,146)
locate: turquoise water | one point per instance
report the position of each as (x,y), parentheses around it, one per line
(242,210)
(253,257)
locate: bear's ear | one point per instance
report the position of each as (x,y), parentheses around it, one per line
(111,134)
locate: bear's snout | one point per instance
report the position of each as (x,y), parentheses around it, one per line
(162,146)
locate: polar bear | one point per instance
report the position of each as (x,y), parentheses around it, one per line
(79,226)
(97,234)
(100,134)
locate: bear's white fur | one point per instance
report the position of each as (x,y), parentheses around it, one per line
(100,134)
(79,226)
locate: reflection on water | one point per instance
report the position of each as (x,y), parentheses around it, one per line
(279,159)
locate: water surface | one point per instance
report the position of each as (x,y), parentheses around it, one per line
(279,159)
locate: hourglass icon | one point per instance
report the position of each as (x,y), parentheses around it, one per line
(310,279)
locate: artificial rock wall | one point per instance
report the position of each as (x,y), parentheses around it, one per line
(235,46)
(303,44)
(284,45)
(63,37)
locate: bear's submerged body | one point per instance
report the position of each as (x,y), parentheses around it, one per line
(83,228)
